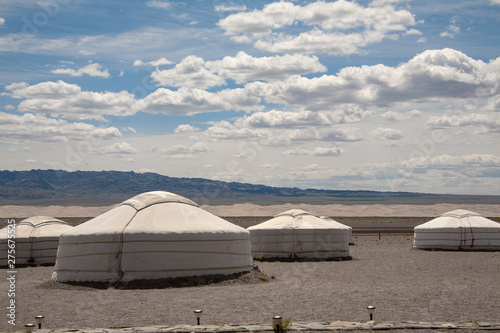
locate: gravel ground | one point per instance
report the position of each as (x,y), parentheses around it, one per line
(403,284)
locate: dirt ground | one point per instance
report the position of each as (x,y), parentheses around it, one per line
(403,284)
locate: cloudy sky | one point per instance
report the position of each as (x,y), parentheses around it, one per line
(387,95)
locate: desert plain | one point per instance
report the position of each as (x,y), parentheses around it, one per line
(403,283)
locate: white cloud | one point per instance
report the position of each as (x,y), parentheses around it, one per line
(443,172)
(69,101)
(244,68)
(398,116)
(2,21)
(159,4)
(86,105)
(29,127)
(340,27)
(28,43)
(87,52)
(271,166)
(413,32)
(181,151)
(414,114)
(328,99)
(392,116)
(495,2)
(314,41)
(447,161)
(318,151)
(116,148)
(143,43)
(192,101)
(42,90)
(186,128)
(155,63)
(224,130)
(432,74)
(297,119)
(190,72)
(129,129)
(387,134)
(91,70)
(452,30)
(474,119)
(230,8)
(384,2)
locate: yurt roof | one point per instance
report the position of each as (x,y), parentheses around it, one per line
(459,218)
(297,219)
(39,221)
(41,226)
(147,199)
(156,212)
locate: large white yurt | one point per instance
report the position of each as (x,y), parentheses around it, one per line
(458,230)
(151,236)
(36,241)
(299,234)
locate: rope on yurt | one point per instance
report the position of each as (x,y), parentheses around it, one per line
(119,253)
(471,232)
(462,235)
(32,241)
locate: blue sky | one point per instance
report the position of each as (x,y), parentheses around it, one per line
(378,95)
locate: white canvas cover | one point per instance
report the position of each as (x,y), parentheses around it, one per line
(351,241)
(299,234)
(36,241)
(458,230)
(151,236)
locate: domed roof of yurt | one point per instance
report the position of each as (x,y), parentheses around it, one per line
(458,230)
(299,234)
(36,240)
(153,235)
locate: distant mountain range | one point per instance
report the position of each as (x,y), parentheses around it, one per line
(99,188)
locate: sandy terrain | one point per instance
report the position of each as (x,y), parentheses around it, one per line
(248,209)
(403,283)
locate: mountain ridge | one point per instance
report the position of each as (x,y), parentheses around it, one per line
(86,188)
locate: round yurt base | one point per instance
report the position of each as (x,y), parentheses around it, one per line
(301,259)
(465,249)
(28,264)
(254,276)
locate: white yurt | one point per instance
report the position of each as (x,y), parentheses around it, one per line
(458,230)
(151,236)
(36,241)
(299,234)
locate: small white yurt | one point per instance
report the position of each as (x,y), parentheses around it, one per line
(299,234)
(151,236)
(36,241)
(458,230)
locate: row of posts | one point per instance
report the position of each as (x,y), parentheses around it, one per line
(277,320)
